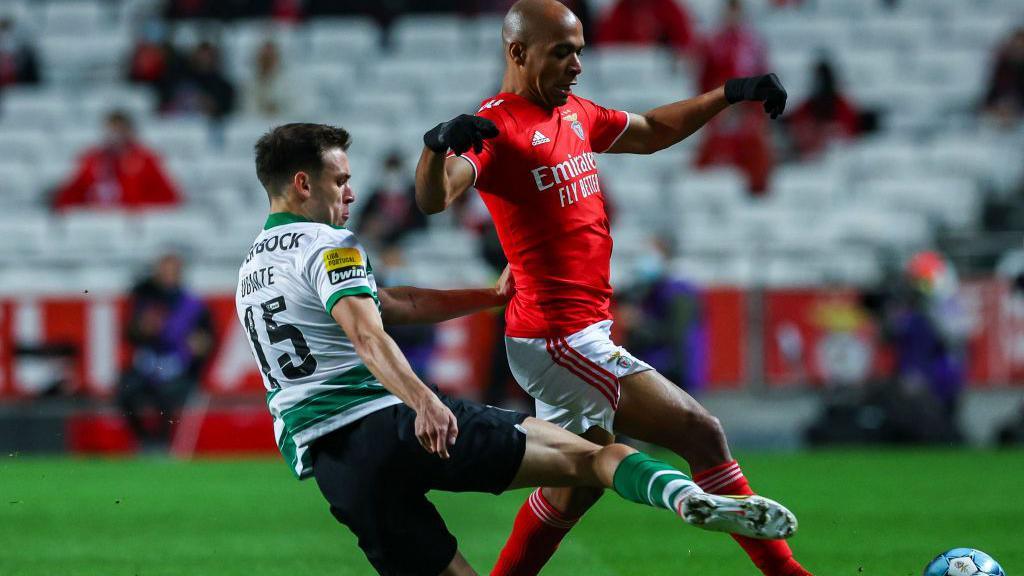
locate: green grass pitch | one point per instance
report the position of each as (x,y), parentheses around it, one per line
(861,513)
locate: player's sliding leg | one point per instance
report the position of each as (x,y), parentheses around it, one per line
(655,410)
(543,521)
(555,457)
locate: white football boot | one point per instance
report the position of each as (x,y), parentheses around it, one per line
(751,516)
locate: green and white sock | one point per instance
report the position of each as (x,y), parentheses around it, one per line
(645,480)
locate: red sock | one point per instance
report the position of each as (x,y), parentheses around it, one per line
(772,557)
(536,534)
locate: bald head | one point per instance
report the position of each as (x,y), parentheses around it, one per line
(531,20)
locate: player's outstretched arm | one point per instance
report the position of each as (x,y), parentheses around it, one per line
(436,427)
(440,182)
(666,125)
(411,305)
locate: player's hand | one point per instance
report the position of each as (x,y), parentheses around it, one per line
(765,89)
(459,134)
(505,287)
(436,427)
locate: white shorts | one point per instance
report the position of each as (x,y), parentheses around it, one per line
(575,380)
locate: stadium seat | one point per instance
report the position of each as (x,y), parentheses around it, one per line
(95,103)
(852,266)
(437,35)
(30,107)
(621,66)
(242,44)
(178,138)
(811,186)
(28,146)
(96,236)
(19,188)
(809,34)
(719,188)
(190,228)
(344,40)
(978,31)
(847,8)
(224,171)
(333,82)
(484,32)
(26,234)
(876,157)
(390,107)
(784,271)
(81,59)
(906,33)
(86,17)
(213,278)
(241,135)
(883,227)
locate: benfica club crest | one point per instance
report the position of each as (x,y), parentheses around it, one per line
(574,123)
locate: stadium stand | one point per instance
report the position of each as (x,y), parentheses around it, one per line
(929,168)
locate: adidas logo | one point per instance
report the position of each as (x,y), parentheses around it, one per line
(539,139)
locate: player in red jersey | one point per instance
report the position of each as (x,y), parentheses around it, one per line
(530,151)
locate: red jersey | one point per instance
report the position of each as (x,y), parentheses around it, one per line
(539,180)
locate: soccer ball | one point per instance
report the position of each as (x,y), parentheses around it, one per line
(964,562)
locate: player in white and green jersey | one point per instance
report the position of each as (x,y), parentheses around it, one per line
(349,411)
(294,273)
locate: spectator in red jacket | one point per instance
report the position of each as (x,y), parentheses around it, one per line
(119,173)
(825,116)
(738,136)
(663,22)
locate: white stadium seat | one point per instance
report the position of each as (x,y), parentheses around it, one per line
(35,108)
(82,58)
(96,236)
(25,146)
(347,40)
(435,35)
(96,103)
(74,17)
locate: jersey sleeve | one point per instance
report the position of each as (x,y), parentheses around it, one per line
(482,162)
(336,266)
(606,125)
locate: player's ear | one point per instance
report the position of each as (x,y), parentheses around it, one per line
(517,52)
(301,184)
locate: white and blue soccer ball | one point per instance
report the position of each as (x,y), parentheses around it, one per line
(964,562)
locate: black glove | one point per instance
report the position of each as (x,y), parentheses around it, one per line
(765,89)
(461,133)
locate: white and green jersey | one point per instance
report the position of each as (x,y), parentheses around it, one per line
(294,273)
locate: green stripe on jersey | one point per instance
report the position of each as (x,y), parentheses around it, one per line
(356,386)
(320,407)
(350,292)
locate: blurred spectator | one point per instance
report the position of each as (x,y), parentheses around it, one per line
(1004,99)
(172,336)
(203,88)
(270,91)
(18,62)
(118,173)
(647,22)
(219,9)
(925,326)
(415,340)
(739,135)
(663,319)
(390,212)
(827,115)
(155,62)
(928,329)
